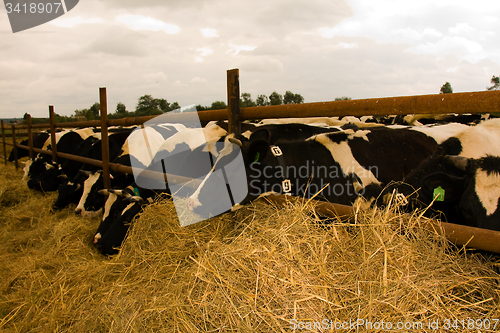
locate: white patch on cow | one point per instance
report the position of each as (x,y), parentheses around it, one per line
(97,237)
(26,169)
(481,140)
(87,186)
(488,190)
(320,121)
(342,154)
(441,133)
(357,134)
(194,137)
(85,132)
(58,136)
(107,207)
(143,143)
(71,184)
(128,207)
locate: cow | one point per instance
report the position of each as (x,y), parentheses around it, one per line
(441,181)
(39,140)
(75,173)
(339,166)
(135,152)
(122,205)
(35,169)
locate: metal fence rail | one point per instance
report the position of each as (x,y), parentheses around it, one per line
(459,103)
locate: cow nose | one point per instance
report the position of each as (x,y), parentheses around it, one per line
(78,211)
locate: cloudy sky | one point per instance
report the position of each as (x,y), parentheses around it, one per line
(180,51)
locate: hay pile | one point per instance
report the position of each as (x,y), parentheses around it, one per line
(260,269)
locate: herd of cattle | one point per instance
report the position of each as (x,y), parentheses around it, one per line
(451,162)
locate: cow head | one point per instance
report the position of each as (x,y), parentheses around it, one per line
(91,202)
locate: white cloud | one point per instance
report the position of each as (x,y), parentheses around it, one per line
(453,69)
(138,22)
(209,33)
(203,52)
(461,29)
(343,45)
(198,79)
(467,49)
(236,49)
(74,21)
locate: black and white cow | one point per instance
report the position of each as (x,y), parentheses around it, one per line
(39,140)
(122,205)
(36,170)
(71,188)
(339,166)
(454,187)
(137,152)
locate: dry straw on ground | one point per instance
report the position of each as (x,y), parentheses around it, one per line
(260,269)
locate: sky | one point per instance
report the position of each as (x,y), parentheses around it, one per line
(181,50)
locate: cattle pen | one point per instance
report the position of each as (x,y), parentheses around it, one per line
(458,103)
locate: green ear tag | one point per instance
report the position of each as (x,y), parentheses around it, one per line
(136,192)
(439,193)
(257,156)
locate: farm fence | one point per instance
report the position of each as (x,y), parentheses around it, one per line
(459,103)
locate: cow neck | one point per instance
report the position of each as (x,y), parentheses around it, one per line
(286,184)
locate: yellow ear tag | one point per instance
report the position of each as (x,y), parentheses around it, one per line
(438,194)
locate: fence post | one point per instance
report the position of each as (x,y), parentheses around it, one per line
(30,137)
(4,145)
(104,137)
(14,148)
(53,133)
(233,101)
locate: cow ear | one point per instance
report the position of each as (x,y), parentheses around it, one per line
(451,187)
(261,134)
(460,162)
(257,150)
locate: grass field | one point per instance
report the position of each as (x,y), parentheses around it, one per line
(260,269)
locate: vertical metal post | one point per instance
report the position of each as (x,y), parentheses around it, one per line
(104,137)
(4,145)
(53,141)
(14,148)
(233,101)
(30,136)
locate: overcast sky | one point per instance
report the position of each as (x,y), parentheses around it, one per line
(180,51)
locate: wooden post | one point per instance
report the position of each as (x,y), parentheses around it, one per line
(233,101)
(53,141)
(30,137)
(4,146)
(14,148)
(104,137)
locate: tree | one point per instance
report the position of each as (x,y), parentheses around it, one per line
(121,108)
(291,98)
(262,100)
(275,98)
(446,88)
(343,98)
(174,106)
(246,100)
(495,80)
(95,108)
(218,105)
